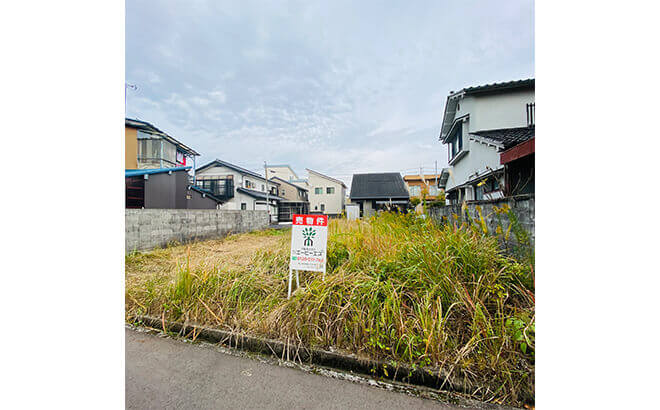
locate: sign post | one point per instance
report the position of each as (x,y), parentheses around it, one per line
(309,240)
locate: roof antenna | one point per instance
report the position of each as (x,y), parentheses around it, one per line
(126,87)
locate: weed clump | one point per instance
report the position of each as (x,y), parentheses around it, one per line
(398,288)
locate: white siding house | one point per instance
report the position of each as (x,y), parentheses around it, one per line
(248,189)
(472,117)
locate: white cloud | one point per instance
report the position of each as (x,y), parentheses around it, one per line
(322,86)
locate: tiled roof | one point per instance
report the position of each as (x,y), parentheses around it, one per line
(378,186)
(230,166)
(417,177)
(508,137)
(528,83)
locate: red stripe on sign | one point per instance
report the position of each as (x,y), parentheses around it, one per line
(310,220)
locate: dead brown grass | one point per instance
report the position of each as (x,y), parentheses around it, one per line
(232,252)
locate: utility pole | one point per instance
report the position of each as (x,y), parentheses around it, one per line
(436,173)
(267,189)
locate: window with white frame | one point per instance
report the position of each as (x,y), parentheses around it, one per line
(456,142)
(330,190)
(318,191)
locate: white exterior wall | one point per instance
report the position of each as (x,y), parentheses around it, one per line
(239,182)
(474,163)
(491,112)
(285,173)
(486,112)
(334,203)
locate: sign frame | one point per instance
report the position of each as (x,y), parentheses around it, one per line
(309,246)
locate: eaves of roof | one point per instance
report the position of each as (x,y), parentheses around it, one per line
(326,177)
(288,183)
(204,191)
(138,172)
(453,97)
(231,166)
(259,194)
(151,129)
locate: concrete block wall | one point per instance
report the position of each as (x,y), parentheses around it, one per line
(151,228)
(523,208)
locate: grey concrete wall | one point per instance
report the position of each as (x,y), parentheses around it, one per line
(151,228)
(522,206)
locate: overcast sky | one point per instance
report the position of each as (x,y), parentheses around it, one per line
(337,87)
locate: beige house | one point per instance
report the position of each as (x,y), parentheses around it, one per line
(281,171)
(147,147)
(327,195)
(294,200)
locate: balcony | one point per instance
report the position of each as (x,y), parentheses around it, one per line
(222,188)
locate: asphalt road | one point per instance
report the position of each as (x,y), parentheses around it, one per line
(164,373)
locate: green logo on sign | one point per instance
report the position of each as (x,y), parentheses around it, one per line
(308,234)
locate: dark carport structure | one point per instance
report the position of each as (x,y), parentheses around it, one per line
(166,188)
(379,191)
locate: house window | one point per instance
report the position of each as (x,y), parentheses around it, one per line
(330,190)
(243,206)
(322,207)
(492,185)
(318,191)
(456,142)
(415,190)
(263,188)
(316,208)
(283,191)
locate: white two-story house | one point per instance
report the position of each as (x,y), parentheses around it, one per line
(478,124)
(242,189)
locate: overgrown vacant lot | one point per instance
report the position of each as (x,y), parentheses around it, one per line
(397,288)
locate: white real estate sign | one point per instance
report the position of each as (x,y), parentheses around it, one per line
(309,239)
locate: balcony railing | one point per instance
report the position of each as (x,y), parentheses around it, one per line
(531,114)
(221,188)
(156,162)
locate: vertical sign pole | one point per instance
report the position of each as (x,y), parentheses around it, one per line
(297,279)
(290,277)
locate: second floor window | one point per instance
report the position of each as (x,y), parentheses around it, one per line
(455,143)
(318,191)
(415,190)
(330,190)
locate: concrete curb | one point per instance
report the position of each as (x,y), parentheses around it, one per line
(373,368)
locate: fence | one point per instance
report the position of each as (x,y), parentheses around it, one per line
(522,210)
(151,228)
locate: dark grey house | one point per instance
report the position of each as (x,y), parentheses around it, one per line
(383,191)
(166,188)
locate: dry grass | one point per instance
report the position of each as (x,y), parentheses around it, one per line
(397,288)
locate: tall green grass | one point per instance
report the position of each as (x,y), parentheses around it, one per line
(398,288)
